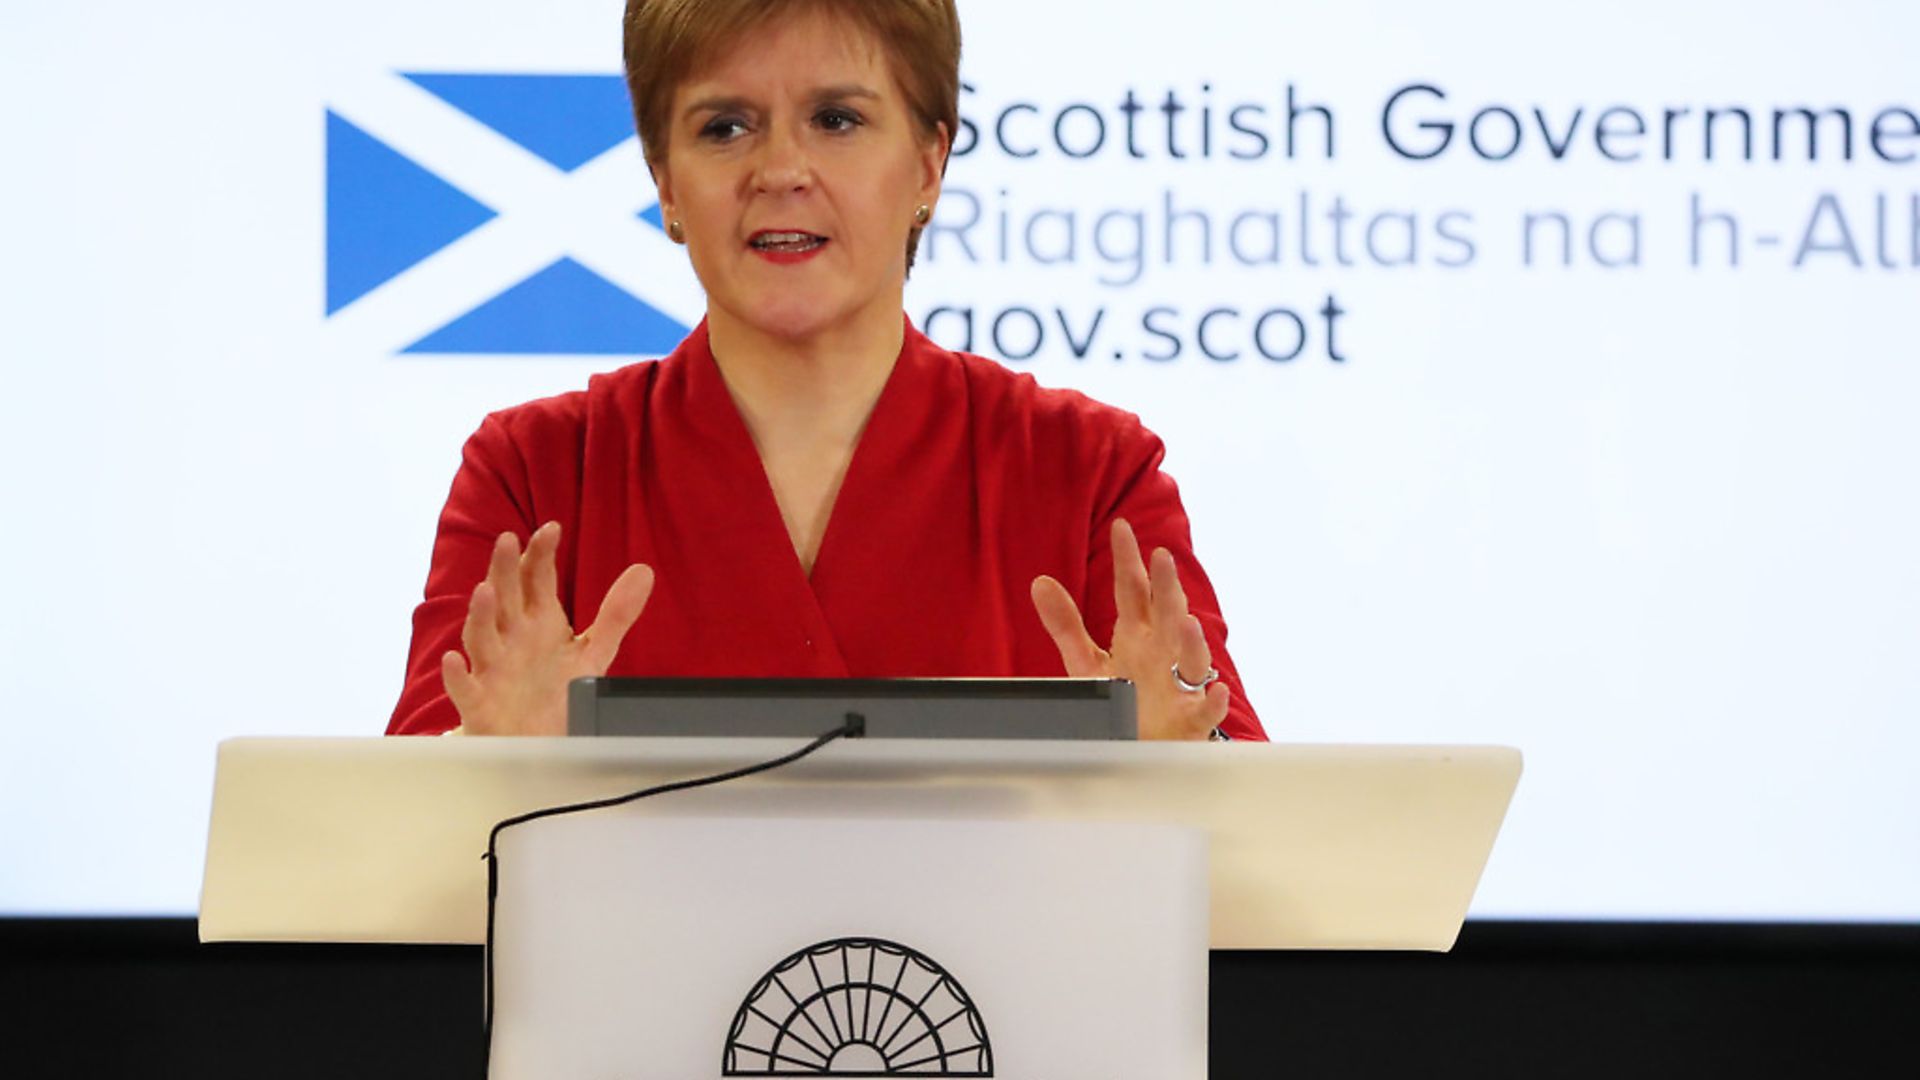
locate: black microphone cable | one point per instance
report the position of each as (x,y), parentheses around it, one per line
(854,727)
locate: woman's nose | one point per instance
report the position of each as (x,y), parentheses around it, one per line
(783,164)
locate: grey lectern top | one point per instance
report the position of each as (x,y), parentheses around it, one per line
(1311,846)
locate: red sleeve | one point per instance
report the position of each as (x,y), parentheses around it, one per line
(1136,489)
(491,494)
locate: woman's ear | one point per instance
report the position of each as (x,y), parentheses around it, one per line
(933,163)
(662,187)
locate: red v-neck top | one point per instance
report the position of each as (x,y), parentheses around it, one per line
(969,481)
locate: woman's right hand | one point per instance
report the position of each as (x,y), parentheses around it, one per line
(521,652)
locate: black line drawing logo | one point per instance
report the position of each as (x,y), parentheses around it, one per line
(858,1007)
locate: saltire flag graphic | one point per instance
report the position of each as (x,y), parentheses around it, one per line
(499,214)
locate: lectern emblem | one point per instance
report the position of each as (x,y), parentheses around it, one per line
(858,1007)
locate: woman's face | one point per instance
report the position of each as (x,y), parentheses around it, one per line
(795,168)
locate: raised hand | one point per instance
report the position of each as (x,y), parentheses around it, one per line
(1154,637)
(520,649)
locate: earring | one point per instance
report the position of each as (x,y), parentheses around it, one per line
(676,231)
(923,214)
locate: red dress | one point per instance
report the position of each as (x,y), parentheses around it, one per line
(968,482)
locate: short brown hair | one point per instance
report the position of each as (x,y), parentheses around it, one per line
(664,41)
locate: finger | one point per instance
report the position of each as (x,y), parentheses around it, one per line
(1219,697)
(625,599)
(1194,716)
(1132,593)
(1169,598)
(480,634)
(462,688)
(1061,616)
(539,573)
(1179,715)
(1195,657)
(502,574)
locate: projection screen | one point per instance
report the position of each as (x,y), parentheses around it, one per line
(1533,374)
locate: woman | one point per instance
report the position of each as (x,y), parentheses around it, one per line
(807,486)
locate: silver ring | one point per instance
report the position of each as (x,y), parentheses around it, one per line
(1213,675)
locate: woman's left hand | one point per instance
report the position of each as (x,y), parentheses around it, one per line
(1154,636)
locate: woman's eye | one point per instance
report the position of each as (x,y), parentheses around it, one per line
(722,128)
(838,119)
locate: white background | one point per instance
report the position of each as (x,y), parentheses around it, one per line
(1653,525)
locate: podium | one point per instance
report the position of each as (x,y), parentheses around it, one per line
(1123,861)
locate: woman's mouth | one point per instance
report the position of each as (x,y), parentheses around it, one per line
(789,243)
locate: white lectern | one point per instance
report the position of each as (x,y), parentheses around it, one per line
(880,908)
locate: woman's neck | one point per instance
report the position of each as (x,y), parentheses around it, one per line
(805,404)
(805,393)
